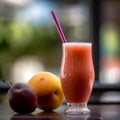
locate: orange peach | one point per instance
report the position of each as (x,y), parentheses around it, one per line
(48,89)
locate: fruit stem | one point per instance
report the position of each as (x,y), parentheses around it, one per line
(9,84)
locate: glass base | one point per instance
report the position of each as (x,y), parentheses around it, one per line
(77,108)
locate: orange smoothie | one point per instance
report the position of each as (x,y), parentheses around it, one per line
(77,72)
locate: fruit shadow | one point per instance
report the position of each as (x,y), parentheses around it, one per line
(51,115)
(38,116)
(23,117)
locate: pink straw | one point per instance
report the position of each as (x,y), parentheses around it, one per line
(58,27)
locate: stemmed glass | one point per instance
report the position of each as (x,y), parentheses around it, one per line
(77,76)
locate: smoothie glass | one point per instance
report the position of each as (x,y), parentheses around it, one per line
(77,76)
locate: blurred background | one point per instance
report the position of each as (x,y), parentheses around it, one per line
(30,43)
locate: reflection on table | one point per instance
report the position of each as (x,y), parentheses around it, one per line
(98,112)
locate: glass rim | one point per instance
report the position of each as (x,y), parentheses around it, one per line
(77,43)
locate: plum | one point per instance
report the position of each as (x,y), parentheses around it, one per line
(22,99)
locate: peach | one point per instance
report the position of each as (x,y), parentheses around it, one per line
(48,89)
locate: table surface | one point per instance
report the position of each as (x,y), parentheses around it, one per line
(98,112)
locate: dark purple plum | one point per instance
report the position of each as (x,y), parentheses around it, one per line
(22,99)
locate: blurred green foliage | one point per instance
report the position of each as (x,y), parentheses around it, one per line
(19,38)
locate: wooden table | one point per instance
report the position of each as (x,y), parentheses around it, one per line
(98,112)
